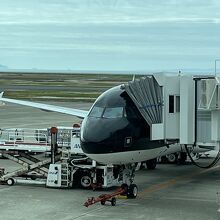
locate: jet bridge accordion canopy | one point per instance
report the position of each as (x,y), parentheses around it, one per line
(147,96)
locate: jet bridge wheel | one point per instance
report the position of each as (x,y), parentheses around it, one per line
(172,158)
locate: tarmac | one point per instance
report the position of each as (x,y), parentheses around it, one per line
(168,192)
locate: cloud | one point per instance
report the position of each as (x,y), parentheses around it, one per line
(108,12)
(101,30)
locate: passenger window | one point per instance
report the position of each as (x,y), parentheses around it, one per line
(96,112)
(113,112)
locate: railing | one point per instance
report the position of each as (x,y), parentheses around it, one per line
(36,137)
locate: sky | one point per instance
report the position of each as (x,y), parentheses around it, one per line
(112,35)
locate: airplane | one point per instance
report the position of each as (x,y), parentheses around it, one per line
(114,131)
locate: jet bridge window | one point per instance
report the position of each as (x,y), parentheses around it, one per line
(177,103)
(113,112)
(171,103)
(174,103)
(96,112)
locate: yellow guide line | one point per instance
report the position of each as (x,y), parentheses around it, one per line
(172,182)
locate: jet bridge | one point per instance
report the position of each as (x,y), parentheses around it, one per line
(208,109)
(157,98)
(147,95)
(183,108)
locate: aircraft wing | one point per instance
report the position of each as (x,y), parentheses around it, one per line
(46,107)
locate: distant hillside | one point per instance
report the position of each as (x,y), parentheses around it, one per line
(3,67)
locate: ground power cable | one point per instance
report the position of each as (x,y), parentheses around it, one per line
(213,163)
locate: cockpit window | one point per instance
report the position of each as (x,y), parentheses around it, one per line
(116,112)
(96,112)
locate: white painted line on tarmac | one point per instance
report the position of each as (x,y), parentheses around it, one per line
(190,199)
(86,213)
(5,189)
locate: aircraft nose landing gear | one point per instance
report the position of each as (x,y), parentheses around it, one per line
(130,191)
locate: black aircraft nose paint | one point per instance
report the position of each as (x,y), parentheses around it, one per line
(114,124)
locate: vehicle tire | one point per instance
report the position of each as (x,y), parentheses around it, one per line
(2,157)
(124,186)
(172,158)
(163,159)
(113,201)
(182,158)
(85,180)
(102,202)
(132,191)
(151,164)
(10,181)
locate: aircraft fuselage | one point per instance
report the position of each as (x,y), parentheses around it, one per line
(115,132)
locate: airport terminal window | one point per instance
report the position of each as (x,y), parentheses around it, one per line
(113,112)
(96,112)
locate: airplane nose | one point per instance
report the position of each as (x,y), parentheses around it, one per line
(113,125)
(100,135)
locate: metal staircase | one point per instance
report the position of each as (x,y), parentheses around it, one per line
(64,175)
(28,163)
